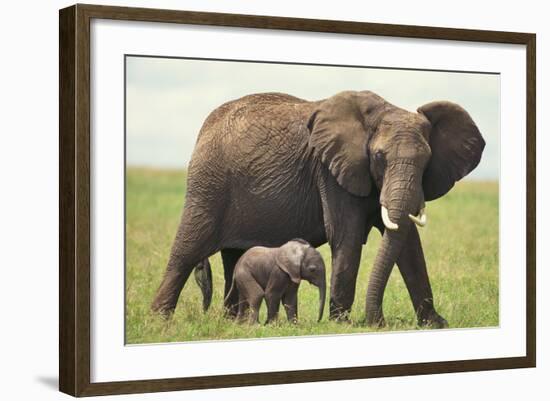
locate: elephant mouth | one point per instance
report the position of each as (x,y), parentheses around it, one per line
(420,219)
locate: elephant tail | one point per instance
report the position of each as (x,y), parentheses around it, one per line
(232,289)
(203,278)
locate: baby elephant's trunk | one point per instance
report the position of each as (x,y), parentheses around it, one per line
(322,296)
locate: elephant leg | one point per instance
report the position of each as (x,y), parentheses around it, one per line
(345,266)
(194,242)
(273,302)
(243,308)
(251,295)
(412,265)
(344,218)
(255,297)
(174,279)
(290,302)
(229,259)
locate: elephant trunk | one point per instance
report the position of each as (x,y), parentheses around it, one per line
(392,242)
(401,197)
(322,297)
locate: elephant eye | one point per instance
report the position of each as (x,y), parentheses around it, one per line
(379,156)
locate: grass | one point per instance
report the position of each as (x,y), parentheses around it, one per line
(460,244)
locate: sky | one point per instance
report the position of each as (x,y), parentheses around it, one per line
(168,99)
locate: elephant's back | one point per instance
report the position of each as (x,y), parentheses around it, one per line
(236,116)
(265,143)
(247,133)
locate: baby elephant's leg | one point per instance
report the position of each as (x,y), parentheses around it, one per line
(250,296)
(273,301)
(255,303)
(255,295)
(243,308)
(290,302)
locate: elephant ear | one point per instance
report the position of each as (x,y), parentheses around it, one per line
(339,138)
(289,258)
(456,145)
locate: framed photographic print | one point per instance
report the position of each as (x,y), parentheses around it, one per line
(251,200)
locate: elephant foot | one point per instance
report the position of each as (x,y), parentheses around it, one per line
(230,313)
(231,310)
(163,308)
(341,317)
(433,320)
(165,314)
(339,314)
(241,319)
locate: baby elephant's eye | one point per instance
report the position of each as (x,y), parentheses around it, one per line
(311,268)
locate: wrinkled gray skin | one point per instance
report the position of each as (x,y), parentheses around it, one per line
(270,167)
(274,274)
(203,278)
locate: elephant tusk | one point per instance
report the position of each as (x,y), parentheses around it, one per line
(390,225)
(421,219)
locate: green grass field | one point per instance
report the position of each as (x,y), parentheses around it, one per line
(460,243)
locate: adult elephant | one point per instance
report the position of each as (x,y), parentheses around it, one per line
(271,167)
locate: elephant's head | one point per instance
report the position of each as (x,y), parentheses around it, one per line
(300,261)
(371,145)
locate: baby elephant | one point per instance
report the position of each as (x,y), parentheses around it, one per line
(275,274)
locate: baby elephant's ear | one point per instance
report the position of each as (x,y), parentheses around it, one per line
(289,259)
